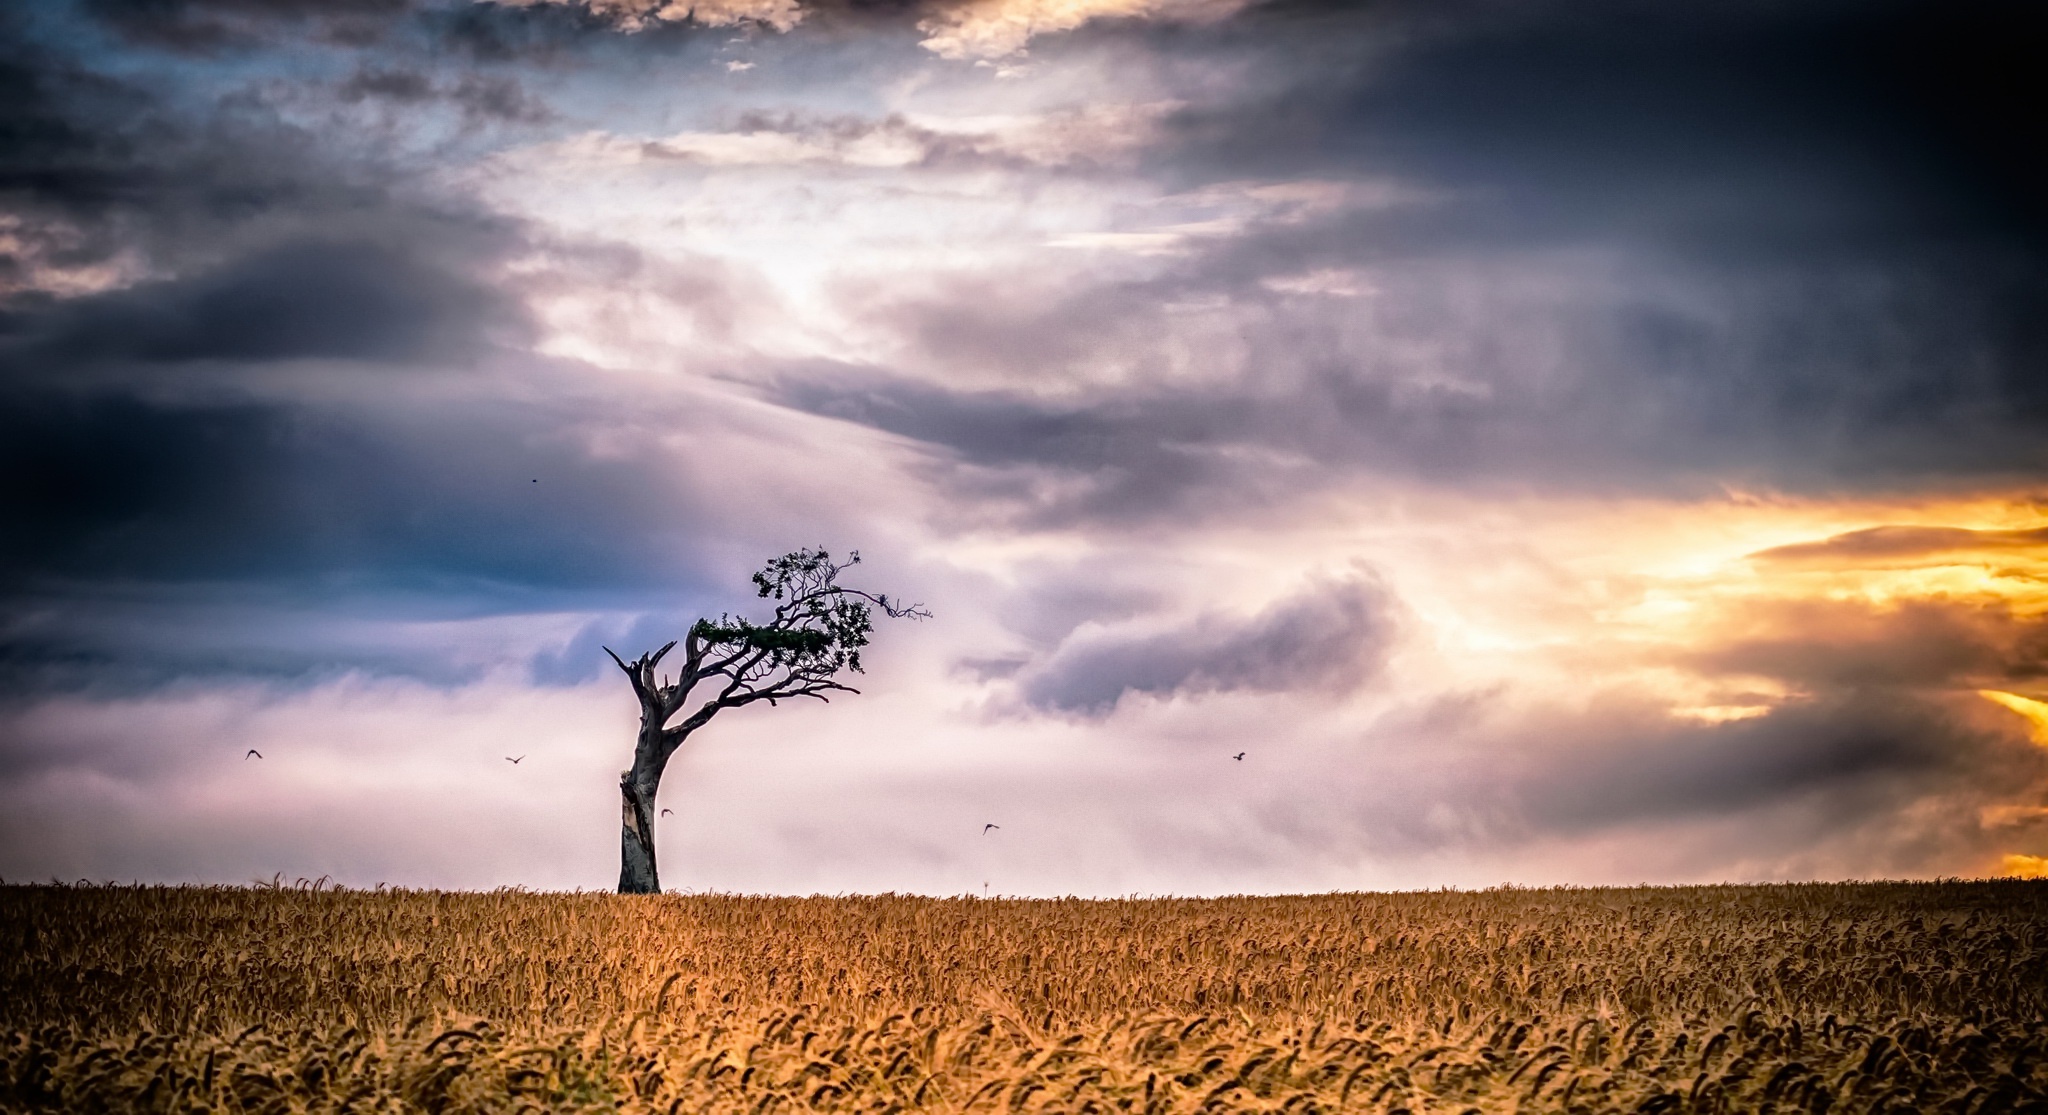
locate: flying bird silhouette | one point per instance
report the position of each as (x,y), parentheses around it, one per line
(985,828)
(1239,756)
(666,812)
(252,752)
(513,761)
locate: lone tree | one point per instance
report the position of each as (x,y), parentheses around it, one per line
(815,633)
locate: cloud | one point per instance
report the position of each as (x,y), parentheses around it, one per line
(1331,637)
(889,144)
(480,98)
(1928,642)
(1819,127)
(117,179)
(294,533)
(635,15)
(308,299)
(211,26)
(994,29)
(1089,137)
(1830,747)
(1892,543)
(2034,713)
(1588,374)
(1893,782)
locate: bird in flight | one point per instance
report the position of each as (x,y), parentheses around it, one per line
(666,812)
(985,828)
(1239,756)
(513,761)
(253,754)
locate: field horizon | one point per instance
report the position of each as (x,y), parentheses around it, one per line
(326,883)
(1922,996)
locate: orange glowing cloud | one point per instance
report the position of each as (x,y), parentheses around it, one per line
(2025,867)
(1887,545)
(2034,712)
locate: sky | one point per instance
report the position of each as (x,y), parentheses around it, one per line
(1551,441)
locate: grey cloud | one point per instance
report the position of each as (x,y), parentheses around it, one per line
(112,642)
(128,522)
(567,35)
(1331,637)
(462,491)
(1645,250)
(1871,782)
(480,98)
(1789,128)
(1648,249)
(1066,142)
(57,162)
(1852,757)
(309,440)
(1503,373)
(494,98)
(1112,457)
(1843,644)
(408,86)
(101,170)
(209,26)
(542,34)
(1048,600)
(226,439)
(343,300)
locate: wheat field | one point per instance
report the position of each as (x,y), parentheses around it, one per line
(1839,998)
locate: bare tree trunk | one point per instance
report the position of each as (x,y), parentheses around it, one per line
(637,787)
(637,873)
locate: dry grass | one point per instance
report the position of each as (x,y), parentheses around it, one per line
(1846,998)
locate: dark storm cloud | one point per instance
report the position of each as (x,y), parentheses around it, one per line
(1126,459)
(1633,247)
(357,301)
(1675,387)
(464,492)
(279,437)
(1790,127)
(1891,782)
(95,169)
(58,163)
(496,34)
(1853,757)
(404,86)
(481,98)
(1329,638)
(226,469)
(206,26)
(464,507)
(1860,162)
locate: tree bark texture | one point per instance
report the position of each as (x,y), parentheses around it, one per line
(637,872)
(637,787)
